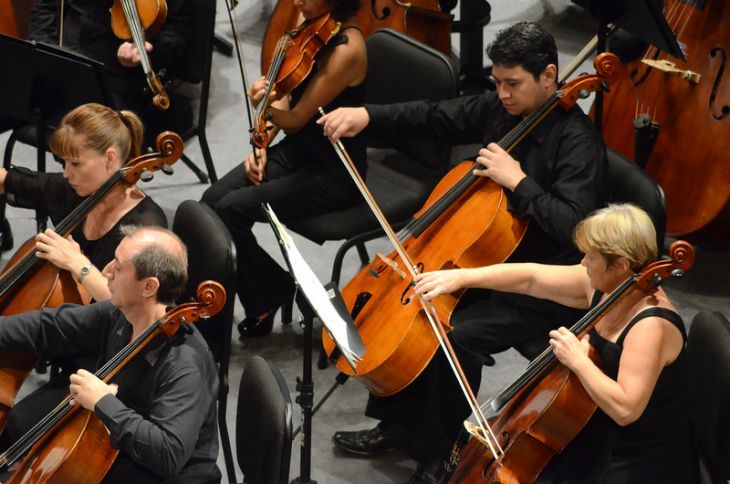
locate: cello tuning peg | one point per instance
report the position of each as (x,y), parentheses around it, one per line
(146,175)
(166,169)
(583,94)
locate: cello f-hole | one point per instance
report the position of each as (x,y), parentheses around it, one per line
(725,110)
(374,9)
(506,438)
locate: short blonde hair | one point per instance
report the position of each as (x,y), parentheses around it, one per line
(619,230)
(98,127)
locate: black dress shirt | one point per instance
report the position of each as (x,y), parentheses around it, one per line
(164,415)
(564,159)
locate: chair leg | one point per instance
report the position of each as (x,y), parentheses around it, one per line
(363,253)
(198,172)
(9,150)
(209,166)
(225,437)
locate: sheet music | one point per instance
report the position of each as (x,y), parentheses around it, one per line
(343,331)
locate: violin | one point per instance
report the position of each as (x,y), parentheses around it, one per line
(28,282)
(547,406)
(135,20)
(292,62)
(419,19)
(71,444)
(464,223)
(672,117)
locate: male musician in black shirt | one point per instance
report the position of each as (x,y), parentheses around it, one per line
(160,409)
(552,179)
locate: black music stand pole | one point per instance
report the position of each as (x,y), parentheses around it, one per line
(330,310)
(305,387)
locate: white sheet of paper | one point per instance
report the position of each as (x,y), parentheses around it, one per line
(352,349)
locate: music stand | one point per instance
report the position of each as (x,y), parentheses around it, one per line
(641,18)
(45,82)
(334,317)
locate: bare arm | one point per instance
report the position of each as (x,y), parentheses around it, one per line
(66,254)
(567,285)
(344,66)
(651,344)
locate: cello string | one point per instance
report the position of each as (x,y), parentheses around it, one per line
(29,439)
(435,325)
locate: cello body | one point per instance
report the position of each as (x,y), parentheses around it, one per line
(693,118)
(64,457)
(47,287)
(392,315)
(537,424)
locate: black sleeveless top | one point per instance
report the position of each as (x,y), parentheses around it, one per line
(309,146)
(655,448)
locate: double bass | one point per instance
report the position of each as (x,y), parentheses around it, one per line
(464,223)
(546,407)
(683,108)
(71,444)
(28,282)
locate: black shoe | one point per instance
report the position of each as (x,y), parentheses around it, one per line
(429,471)
(254,327)
(6,235)
(375,441)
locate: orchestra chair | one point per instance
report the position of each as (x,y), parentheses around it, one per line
(708,353)
(211,256)
(263,424)
(628,182)
(625,182)
(400,179)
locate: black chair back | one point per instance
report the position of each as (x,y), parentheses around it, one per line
(628,182)
(263,424)
(708,351)
(399,69)
(211,255)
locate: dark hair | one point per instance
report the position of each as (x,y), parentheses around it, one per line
(524,44)
(170,269)
(343,9)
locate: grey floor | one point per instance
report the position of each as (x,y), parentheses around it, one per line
(706,286)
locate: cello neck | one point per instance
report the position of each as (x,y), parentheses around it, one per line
(19,270)
(508,143)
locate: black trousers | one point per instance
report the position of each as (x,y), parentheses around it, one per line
(433,407)
(294,190)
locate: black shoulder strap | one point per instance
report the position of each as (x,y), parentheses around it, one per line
(663,313)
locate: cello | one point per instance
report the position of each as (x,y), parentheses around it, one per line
(389,317)
(71,444)
(28,282)
(135,20)
(682,108)
(547,406)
